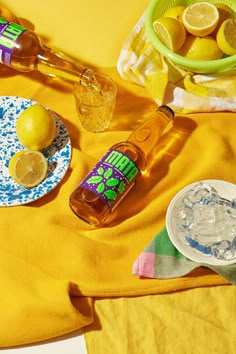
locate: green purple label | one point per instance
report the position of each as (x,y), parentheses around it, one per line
(111,176)
(9,34)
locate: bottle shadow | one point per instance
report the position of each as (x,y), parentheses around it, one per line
(168,148)
(131,109)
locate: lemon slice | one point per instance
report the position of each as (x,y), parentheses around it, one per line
(226,37)
(28,168)
(200,18)
(170,32)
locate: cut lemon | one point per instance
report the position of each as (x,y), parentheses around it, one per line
(170,32)
(226,37)
(200,48)
(194,88)
(175,12)
(225,12)
(28,168)
(200,18)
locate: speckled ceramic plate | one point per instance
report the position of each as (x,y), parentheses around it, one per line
(58,154)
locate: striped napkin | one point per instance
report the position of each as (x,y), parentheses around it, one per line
(160,259)
(140,63)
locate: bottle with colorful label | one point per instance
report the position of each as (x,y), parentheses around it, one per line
(106,185)
(23,50)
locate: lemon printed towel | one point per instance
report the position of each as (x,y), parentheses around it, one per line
(139,62)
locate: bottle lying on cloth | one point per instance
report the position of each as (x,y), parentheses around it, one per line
(23,50)
(115,174)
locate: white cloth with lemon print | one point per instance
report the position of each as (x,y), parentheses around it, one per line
(140,63)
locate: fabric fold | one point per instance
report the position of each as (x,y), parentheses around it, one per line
(40,303)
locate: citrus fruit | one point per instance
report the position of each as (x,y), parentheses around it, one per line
(225,12)
(170,32)
(226,37)
(200,48)
(194,88)
(36,127)
(28,168)
(175,12)
(200,18)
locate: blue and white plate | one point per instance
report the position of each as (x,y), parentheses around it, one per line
(58,154)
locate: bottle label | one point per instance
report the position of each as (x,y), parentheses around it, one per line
(112,176)
(9,34)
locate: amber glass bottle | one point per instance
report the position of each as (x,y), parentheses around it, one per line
(114,175)
(23,50)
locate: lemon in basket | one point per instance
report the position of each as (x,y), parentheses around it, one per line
(200,18)
(28,168)
(175,12)
(36,127)
(226,36)
(225,12)
(195,48)
(170,32)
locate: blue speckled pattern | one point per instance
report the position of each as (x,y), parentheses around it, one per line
(58,154)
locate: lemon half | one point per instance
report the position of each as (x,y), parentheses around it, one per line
(226,37)
(170,32)
(28,168)
(200,18)
(225,12)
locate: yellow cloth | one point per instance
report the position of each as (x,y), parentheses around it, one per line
(55,248)
(185,92)
(91,30)
(51,262)
(196,321)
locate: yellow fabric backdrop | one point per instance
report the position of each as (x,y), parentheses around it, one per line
(49,258)
(91,30)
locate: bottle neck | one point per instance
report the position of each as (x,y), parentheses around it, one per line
(57,64)
(145,137)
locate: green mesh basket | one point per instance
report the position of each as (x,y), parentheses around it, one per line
(156,9)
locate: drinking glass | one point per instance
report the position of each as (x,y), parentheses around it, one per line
(95,107)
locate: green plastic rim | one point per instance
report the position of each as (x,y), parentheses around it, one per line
(157,8)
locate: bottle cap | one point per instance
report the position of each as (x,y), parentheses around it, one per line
(168,111)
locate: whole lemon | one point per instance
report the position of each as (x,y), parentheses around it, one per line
(200,48)
(175,12)
(36,127)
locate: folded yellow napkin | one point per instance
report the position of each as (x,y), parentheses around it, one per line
(139,62)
